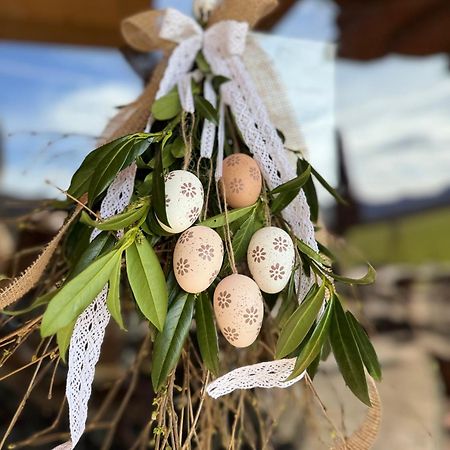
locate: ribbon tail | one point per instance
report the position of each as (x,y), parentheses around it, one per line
(263,375)
(85,346)
(220,141)
(209,129)
(89,330)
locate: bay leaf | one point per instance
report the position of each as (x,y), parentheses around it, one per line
(368,354)
(147,281)
(347,355)
(313,347)
(113,298)
(78,293)
(300,322)
(207,333)
(169,343)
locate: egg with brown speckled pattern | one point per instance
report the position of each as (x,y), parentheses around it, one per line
(197,258)
(241,180)
(239,309)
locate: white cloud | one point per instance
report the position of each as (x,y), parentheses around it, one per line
(396,136)
(32,161)
(87,110)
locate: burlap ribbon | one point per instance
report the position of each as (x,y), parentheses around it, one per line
(23,284)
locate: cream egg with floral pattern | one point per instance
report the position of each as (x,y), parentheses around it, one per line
(239,309)
(241,180)
(270,258)
(197,258)
(184,200)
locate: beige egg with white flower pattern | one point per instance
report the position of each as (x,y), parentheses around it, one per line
(239,309)
(184,200)
(270,258)
(197,258)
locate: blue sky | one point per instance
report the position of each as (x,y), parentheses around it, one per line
(393,113)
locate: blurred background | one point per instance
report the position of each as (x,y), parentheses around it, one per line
(370,81)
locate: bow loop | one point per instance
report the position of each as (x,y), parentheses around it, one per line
(177,27)
(226,38)
(250,11)
(142,31)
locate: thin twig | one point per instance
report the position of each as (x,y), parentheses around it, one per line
(24,399)
(134,378)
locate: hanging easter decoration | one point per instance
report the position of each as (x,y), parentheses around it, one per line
(204,245)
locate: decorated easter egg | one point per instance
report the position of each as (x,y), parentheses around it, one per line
(239,309)
(197,258)
(184,200)
(241,180)
(270,258)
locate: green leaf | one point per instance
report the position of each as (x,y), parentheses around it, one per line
(310,191)
(63,339)
(218,80)
(312,368)
(207,333)
(167,107)
(314,345)
(306,265)
(177,148)
(78,293)
(282,200)
(158,189)
(298,325)
(234,214)
(347,355)
(368,278)
(119,221)
(144,188)
(289,303)
(76,242)
(154,226)
(206,110)
(113,298)
(82,177)
(242,237)
(325,251)
(202,64)
(103,243)
(295,184)
(366,350)
(311,253)
(326,350)
(331,190)
(119,158)
(147,281)
(169,343)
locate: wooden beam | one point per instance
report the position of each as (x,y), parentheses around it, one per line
(84,22)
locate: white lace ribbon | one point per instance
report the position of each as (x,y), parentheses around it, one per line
(89,330)
(209,129)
